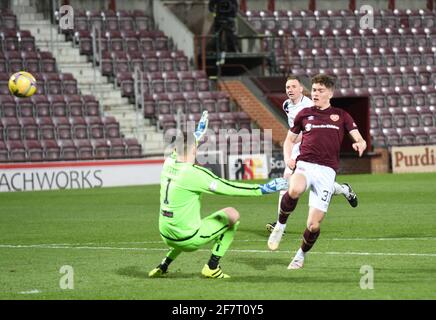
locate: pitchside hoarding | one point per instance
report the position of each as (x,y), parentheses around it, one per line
(413,159)
(248,167)
(78,175)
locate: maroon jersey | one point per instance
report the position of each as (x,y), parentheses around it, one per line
(323,131)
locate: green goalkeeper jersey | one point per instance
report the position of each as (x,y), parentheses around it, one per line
(181,187)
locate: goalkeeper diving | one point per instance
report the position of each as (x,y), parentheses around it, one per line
(180,224)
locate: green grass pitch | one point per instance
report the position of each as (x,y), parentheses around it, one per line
(111,240)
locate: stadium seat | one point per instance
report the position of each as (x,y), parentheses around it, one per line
(84,40)
(26,41)
(244,121)
(8,106)
(4,153)
(171,80)
(15,61)
(117,148)
(187,81)
(421,136)
(80,20)
(385,118)
(125,82)
(134,149)
(29,128)
(427,115)
(392,137)
(157,82)
(34,150)
(53,82)
(31,61)
(149,107)
(162,103)
(110,20)
(12,128)
(207,101)
(58,105)
(91,105)
(178,101)
(63,128)
(4,79)
(68,150)
(41,105)
(84,149)
(399,117)
(125,20)
(222,101)
(79,128)
(413,116)
(407,137)
(46,128)
(74,105)
(101,148)
(229,120)
(431,132)
(95,127)
(111,127)
(193,102)
(17,150)
(69,84)
(9,40)
(24,107)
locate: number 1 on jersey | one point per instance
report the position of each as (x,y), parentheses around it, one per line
(166,192)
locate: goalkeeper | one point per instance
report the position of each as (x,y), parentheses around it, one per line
(180,223)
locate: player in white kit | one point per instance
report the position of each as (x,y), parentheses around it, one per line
(296,102)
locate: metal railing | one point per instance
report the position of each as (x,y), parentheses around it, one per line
(138,85)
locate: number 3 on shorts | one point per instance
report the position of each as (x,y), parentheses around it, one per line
(326,195)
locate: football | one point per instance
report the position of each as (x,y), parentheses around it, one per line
(22,84)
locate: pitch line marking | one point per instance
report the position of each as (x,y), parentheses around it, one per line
(231,250)
(238,240)
(30,292)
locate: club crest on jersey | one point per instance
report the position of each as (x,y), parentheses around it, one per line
(308,127)
(334,117)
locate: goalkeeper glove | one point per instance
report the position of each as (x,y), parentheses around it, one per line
(274,185)
(201,127)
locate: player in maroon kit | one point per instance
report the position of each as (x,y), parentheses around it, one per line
(323,128)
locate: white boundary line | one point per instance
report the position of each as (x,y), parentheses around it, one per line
(236,240)
(231,250)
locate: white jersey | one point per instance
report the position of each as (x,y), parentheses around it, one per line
(291,111)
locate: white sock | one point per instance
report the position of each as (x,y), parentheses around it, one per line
(340,189)
(300,254)
(281,225)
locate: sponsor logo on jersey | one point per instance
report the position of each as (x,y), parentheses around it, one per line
(334,117)
(310,118)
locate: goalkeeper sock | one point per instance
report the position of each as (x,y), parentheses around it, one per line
(213,262)
(164,264)
(287,205)
(309,239)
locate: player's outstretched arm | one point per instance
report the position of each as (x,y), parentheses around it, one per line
(360,144)
(203,180)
